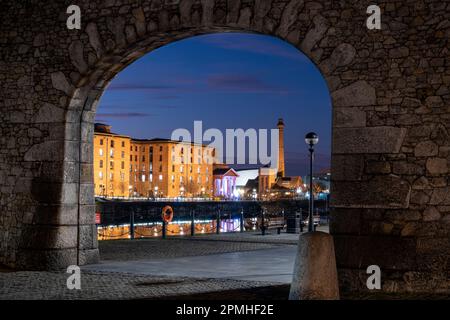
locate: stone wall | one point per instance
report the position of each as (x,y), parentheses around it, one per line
(391,121)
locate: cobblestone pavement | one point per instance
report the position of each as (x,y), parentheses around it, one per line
(120,285)
(107,286)
(200,245)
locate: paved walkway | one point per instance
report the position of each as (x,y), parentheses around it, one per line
(153,268)
(273,265)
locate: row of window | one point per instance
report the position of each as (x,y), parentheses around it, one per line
(142,148)
(150,177)
(112,143)
(172,178)
(111,176)
(111,153)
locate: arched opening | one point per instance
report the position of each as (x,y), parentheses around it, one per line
(390,134)
(228,81)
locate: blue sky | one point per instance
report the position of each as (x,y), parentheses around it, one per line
(227,80)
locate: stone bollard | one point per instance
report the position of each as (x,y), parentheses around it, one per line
(315,273)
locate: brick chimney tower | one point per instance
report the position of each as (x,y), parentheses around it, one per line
(280,126)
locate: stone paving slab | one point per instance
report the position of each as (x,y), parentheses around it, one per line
(256,237)
(274,265)
(142,249)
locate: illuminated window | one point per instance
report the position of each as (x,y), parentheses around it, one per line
(150,177)
(173,178)
(143,178)
(100,152)
(198,169)
(111,152)
(181,169)
(160,177)
(111,176)
(100,175)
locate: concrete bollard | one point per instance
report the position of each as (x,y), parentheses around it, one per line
(315,273)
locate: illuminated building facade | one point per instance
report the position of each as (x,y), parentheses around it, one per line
(225,182)
(162,168)
(111,162)
(156,168)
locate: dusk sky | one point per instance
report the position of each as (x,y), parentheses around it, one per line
(228,81)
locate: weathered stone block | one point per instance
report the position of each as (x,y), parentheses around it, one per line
(407,168)
(44,237)
(347,167)
(349,117)
(426,149)
(440,196)
(358,94)
(386,252)
(380,192)
(368,140)
(437,166)
(46,259)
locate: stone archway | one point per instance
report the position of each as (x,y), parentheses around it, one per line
(391,145)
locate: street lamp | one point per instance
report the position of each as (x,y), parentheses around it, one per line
(311,139)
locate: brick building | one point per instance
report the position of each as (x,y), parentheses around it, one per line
(161,168)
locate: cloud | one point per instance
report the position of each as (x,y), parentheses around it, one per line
(140,87)
(254,44)
(122,115)
(243,83)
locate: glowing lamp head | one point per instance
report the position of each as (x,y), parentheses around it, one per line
(311,139)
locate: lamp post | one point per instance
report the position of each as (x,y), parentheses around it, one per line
(311,139)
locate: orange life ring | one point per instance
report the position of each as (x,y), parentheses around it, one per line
(167,214)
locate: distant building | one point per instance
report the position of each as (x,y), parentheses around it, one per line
(225,182)
(126,167)
(111,162)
